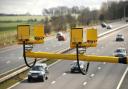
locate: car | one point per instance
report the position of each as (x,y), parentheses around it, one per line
(109,26)
(38,72)
(126,20)
(60,36)
(120,52)
(104,25)
(119,37)
(74,66)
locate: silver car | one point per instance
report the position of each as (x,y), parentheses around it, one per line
(120,52)
(38,72)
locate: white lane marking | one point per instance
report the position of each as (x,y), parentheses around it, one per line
(104,62)
(54,63)
(53,82)
(14,85)
(102,47)
(64,74)
(47,48)
(54,46)
(20,57)
(3,50)
(92,75)
(98,50)
(122,78)
(84,83)
(7,62)
(99,68)
(93,53)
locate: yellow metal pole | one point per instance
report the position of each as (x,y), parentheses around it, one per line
(82,57)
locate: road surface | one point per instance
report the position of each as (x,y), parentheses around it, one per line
(100,75)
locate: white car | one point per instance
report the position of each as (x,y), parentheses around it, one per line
(60,36)
(109,26)
(104,25)
(38,71)
(120,52)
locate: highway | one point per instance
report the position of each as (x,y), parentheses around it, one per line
(100,75)
(11,57)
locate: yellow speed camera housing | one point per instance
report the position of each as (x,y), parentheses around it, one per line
(91,37)
(77,37)
(23,34)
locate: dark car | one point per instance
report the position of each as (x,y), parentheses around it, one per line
(74,66)
(120,52)
(126,20)
(119,37)
(104,25)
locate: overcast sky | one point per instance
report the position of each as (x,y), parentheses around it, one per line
(35,6)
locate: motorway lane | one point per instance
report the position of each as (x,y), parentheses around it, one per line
(11,57)
(100,75)
(124,84)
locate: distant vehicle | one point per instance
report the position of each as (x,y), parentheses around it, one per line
(126,20)
(120,52)
(109,26)
(60,36)
(119,37)
(74,66)
(104,25)
(39,71)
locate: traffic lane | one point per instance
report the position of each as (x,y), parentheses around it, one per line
(124,84)
(14,57)
(110,73)
(107,78)
(110,76)
(58,73)
(58,77)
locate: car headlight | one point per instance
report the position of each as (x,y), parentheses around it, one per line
(41,73)
(81,66)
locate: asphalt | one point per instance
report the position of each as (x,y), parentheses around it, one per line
(100,75)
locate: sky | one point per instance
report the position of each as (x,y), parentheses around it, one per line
(35,7)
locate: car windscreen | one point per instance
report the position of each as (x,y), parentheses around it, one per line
(37,68)
(120,50)
(76,65)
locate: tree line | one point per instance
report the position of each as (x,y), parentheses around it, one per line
(61,18)
(114,10)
